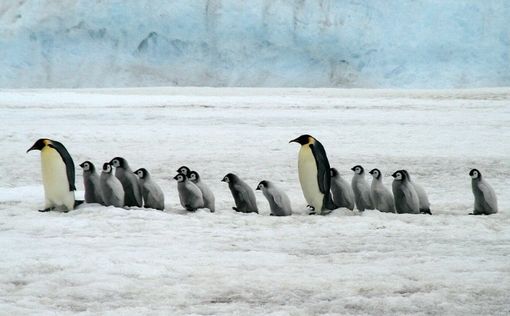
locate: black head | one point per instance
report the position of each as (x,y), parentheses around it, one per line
(184,170)
(180,177)
(142,173)
(193,176)
(358,169)
(475,174)
(229,177)
(107,167)
(303,139)
(400,175)
(119,162)
(376,173)
(88,166)
(333,172)
(262,184)
(40,144)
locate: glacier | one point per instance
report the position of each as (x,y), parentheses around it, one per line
(265,43)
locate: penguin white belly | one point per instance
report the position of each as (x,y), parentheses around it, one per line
(308,178)
(56,185)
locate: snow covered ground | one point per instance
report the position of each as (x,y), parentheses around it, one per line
(98,260)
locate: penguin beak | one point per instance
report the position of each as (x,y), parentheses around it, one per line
(394,175)
(175,178)
(81,165)
(294,140)
(223,180)
(257,188)
(34,147)
(352,168)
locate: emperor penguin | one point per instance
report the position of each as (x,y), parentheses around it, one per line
(422,195)
(184,170)
(314,174)
(111,187)
(58,175)
(132,192)
(485,197)
(244,197)
(153,196)
(361,189)
(343,196)
(279,202)
(381,196)
(190,195)
(406,198)
(91,183)
(206,192)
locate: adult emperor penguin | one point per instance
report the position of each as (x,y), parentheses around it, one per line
(485,197)
(361,189)
(190,195)
(343,196)
(132,192)
(381,196)
(91,183)
(153,196)
(244,197)
(314,174)
(406,198)
(279,202)
(111,187)
(206,192)
(422,195)
(57,174)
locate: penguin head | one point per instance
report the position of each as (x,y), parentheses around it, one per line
(107,167)
(119,162)
(303,140)
(142,173)
(88,166)
(262,185)
(376,173)
(333,172)
(475,174)
(399,175)
(184,170)
(40,144)
(229,178)
(358,169)
(180,177)
(193,176)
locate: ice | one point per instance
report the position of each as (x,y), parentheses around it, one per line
(98,260)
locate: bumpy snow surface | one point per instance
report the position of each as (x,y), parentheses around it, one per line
(291,43)
(98,260)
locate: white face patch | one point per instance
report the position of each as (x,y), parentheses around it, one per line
(475,175)
(226,180)
(86,167)
(193,176)
(108,168)
(116,163)
(140,174)
(261,186)
(358,170)
(399,176)
(184,171)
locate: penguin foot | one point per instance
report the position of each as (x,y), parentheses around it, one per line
(46,210)
(78,202)
(235,209)
(426,212)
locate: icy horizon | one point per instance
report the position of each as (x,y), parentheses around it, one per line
(371,44)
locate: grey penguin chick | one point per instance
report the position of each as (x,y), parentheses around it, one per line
(381,196)
(184,170)
(244,197)
(422,195)
(153,196)
(132,192)
(111,188)
(343,195)
(190,195)
(279,202)
(361,189)
(91,183)
(406,198)
(486,202)
(206,192)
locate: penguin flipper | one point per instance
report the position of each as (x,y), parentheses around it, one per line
(68,160)
(323,173)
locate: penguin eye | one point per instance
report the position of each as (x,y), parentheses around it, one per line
(261,186)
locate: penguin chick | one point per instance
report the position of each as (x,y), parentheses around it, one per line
(111,187)
(189,194)
(153,196)
(91,183)
(132,192)
(343,196)
(486,202)
(58,177)
(244,197)
(406,198)
(361,189)
(279,202)
(184,170)
(206,192)
(422,195)
(381,196)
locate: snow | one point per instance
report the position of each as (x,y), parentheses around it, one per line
(306,43)
(110,261)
